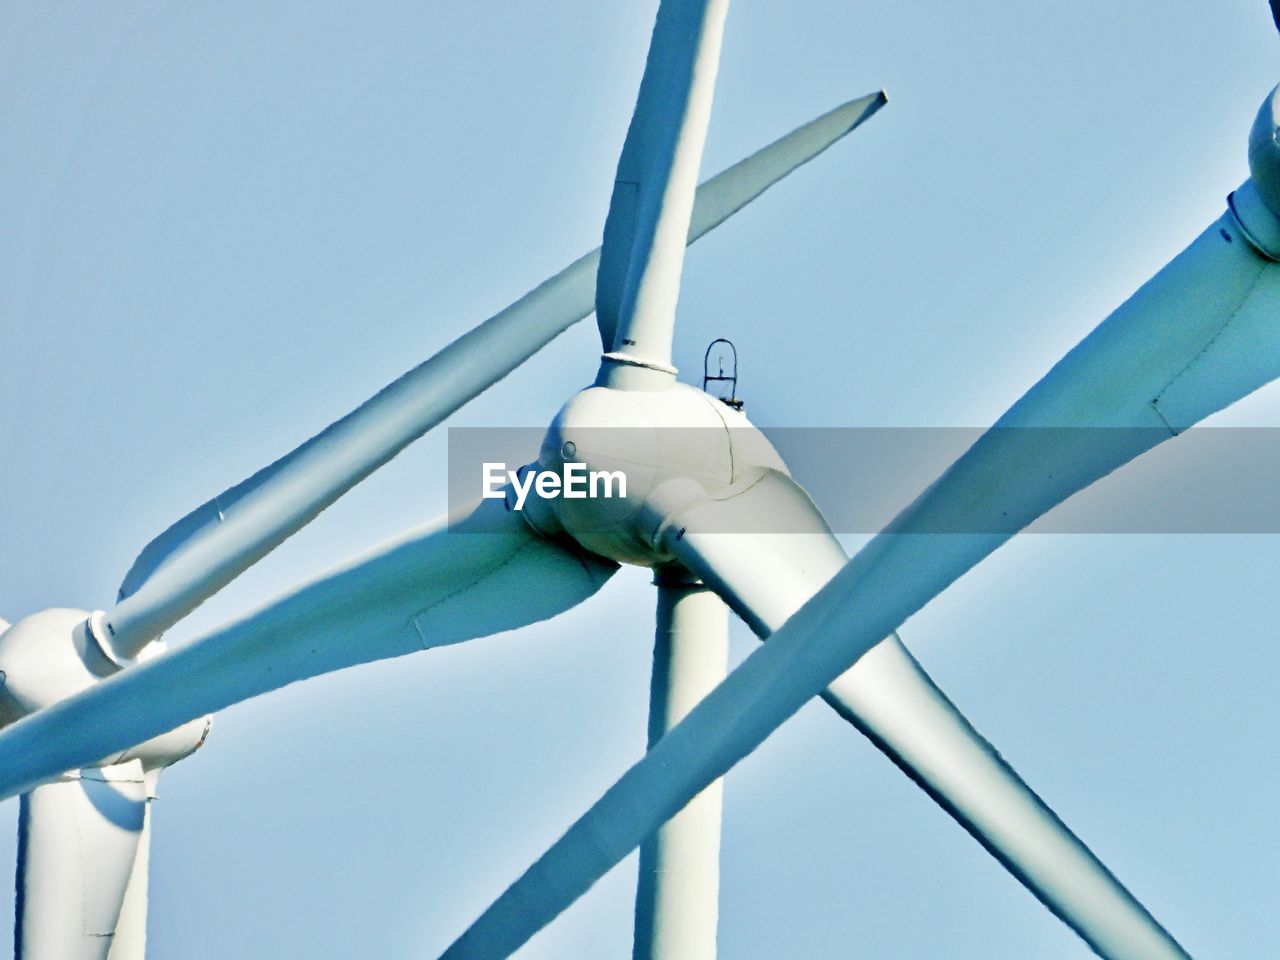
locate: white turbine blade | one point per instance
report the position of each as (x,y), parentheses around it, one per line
(484,573)
(733,188)
(1201,334)
(678,886)
(215,543)
(78,840)
(767,577)
(649,214)
(156,755)
(130,940)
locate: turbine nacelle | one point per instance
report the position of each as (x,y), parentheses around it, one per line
(167,749)
(47,657)
(54,654)
(1256,205)
(1264,151)
(672,446)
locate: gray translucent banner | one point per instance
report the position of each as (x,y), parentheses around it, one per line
(1207,480)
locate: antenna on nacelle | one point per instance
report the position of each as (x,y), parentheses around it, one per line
(730,379)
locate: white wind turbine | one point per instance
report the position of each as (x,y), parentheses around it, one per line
(497,569)
(87,830)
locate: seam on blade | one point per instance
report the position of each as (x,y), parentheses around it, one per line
(506,561)
(1155,403)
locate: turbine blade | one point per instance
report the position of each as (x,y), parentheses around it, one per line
(649,213)
(130,940)
(155,756)
(767,577)
(1197,337)
(484,573)
(216,542)
(733,188)
(78,841)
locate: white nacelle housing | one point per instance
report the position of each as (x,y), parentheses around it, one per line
(48,657)
(674,446)
(1264,151)
(168,748)
(52,655)
(1256,205)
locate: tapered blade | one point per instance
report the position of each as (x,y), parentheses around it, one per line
(130,939)
(208,548)
(649,212)
(767,576)
(443,583)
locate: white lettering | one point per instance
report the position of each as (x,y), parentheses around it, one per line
(522,488)
(575,473)
(609,477)
(548,484)
(576,483)
(495,477)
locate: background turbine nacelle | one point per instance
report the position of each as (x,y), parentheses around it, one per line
(673,446)
(54,654)
(168,748)
(48,657)
(1256,205)
(1264,152)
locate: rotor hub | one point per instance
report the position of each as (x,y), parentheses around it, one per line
(47,657)
(55,654)
(672,447)
(1264,151)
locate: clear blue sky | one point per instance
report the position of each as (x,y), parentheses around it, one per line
(223,225)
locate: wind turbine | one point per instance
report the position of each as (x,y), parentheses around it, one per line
(1200,335)
(626,371)
(84,835)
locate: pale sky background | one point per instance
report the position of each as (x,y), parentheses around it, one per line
(223,225)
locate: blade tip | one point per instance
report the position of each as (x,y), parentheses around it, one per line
(868,103)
